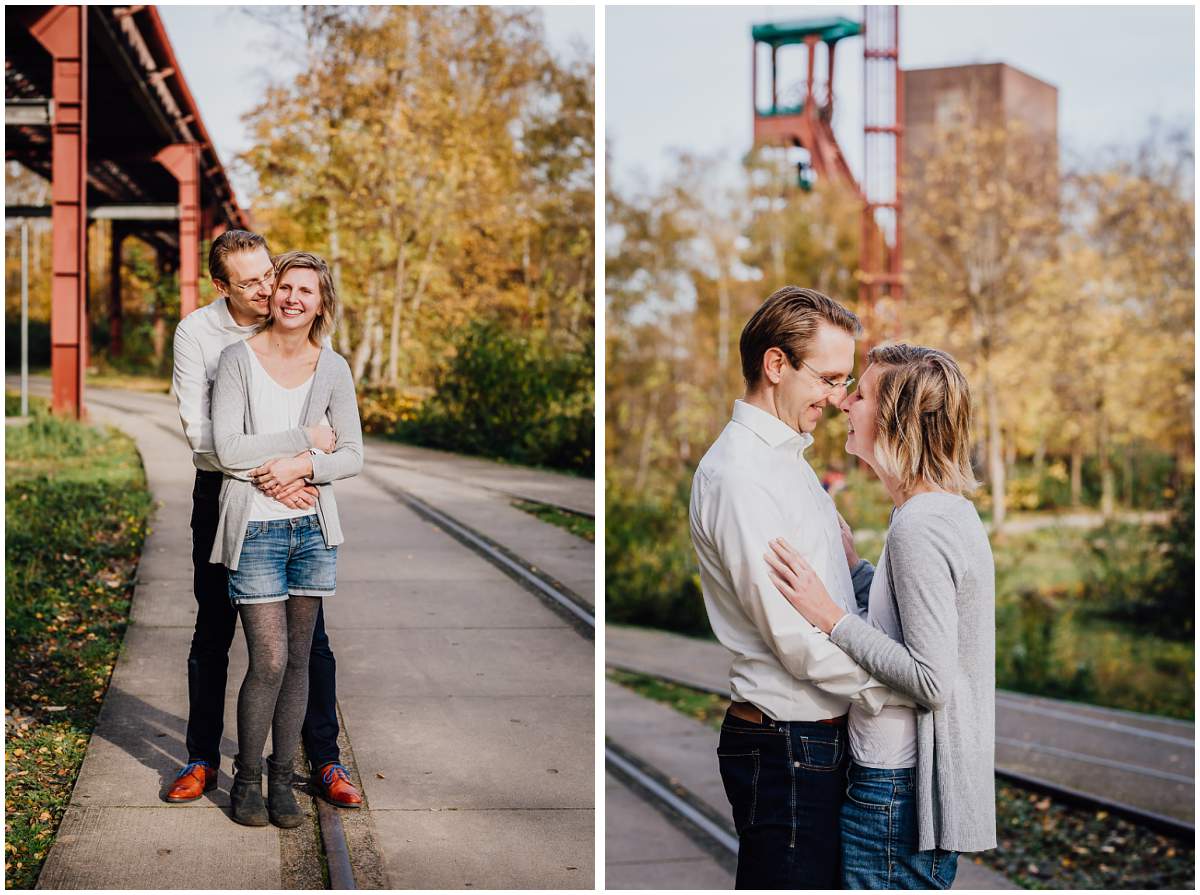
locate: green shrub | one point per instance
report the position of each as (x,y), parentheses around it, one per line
(511,396)
(1029,629)
(652,578)
(1146,575)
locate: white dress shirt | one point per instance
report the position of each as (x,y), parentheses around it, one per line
(754,485)
(200,338)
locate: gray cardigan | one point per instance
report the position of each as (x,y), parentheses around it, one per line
(241,447)
(943,579)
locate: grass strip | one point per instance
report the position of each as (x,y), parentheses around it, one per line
(576,523)
(76,511)
(1043,844)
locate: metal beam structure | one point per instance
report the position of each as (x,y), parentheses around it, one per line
(101,212)
(31,112)
(809,125)
(183,161)
(63,32)
(883,135)
(142,158)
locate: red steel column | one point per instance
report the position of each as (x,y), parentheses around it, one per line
(183,161)
(62,30)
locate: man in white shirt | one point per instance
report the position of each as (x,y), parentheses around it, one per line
(241,269)
(783,749)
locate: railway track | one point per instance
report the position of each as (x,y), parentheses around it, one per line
(1160,822)
(568,604)
(1133,765)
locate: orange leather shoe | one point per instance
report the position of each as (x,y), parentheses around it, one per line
(196,778)
(335,786)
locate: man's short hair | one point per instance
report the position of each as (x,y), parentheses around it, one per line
(229,243)
(324,324)
(788,320)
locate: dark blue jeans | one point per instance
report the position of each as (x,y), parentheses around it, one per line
(879,835)
(208,658)
(785,782)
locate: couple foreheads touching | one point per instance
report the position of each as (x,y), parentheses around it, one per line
(858,751)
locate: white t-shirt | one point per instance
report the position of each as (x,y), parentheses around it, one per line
(889,739)
(276,409)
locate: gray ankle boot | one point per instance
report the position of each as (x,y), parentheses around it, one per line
(281,798)
(245,798)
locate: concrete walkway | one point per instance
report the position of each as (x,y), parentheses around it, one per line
(684,750)
(1141,760)
(467,707)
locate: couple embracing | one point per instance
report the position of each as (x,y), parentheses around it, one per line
(270,413)
(858,751)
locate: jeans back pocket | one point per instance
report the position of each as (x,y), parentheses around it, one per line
(739,774)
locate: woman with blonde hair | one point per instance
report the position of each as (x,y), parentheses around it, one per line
(283,409)
(921,785)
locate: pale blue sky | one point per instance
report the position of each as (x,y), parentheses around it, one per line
(228,57)
(680,76)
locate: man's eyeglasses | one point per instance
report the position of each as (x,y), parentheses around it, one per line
(252,285)
(833,386)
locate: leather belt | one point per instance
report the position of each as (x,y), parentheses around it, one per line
(748,712)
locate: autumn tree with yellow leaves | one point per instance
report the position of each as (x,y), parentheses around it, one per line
(442,159)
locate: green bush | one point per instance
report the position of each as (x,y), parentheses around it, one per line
(1146,576)
(511,396)
(651,574)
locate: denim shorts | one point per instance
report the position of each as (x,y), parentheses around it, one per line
(879,834)
(282,558)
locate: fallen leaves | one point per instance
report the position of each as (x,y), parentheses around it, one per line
(1047,844)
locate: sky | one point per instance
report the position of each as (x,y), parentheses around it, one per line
(680,76)
(228,56)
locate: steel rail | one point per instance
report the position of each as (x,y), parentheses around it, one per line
(1083,708)
(1160,822)
(554,593)
(1075,718)
(652,786)
(414,466)
(1097,760)
(337,853)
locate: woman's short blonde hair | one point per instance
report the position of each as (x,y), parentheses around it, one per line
(323,325)
(923,427)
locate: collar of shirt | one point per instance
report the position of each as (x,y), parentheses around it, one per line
(770,428)
(226,318)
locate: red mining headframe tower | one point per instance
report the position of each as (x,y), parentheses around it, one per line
(803,118)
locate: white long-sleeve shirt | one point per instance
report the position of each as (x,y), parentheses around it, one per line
(754,485)
(200,338)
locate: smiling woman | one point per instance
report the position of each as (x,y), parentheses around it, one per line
(274,399)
